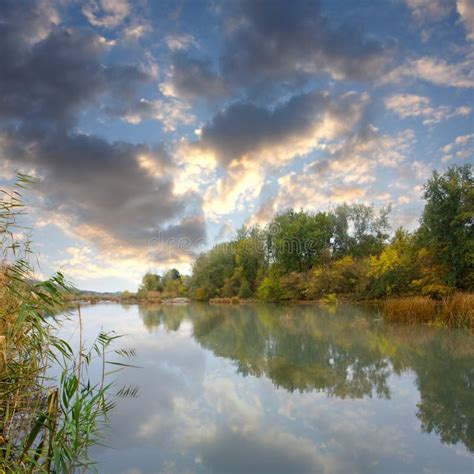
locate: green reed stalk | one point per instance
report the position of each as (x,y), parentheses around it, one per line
(46,425)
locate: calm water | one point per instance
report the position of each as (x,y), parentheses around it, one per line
(244,389)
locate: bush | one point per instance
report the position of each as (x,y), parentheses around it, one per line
(293,286)
(128,295)
(202,294)
(345,276)
(245,291)
(270,290)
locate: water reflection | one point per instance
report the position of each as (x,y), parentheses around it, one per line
(262,388)
(347,354)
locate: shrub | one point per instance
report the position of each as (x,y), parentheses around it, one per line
(293,286)
(432,275)
(245,291)
(128,295)
(201,294)
(270,290)
(346,275)
(331,298)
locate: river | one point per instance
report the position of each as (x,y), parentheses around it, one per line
(262,388)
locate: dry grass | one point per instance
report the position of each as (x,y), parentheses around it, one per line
(454,311)
(412,309)
(8,303)
(458,310)
(233,300)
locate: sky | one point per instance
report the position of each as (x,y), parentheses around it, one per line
(155,129)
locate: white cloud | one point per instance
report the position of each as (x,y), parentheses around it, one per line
(106,13)
(82,264)
(461,147)
(170,113)
(424,10)
(465,9)
(437,71)
(411,105)
(246,153)
(179,42)
(243,412)
(347,173)
(136,31)
(240,186)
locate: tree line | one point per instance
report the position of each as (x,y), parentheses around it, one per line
(349,251)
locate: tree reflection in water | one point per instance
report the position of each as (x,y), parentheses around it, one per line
(347,352)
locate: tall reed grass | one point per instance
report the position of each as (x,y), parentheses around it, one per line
(45,425)
(458,310)
(454,311)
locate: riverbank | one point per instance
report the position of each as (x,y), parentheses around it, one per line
(456,310)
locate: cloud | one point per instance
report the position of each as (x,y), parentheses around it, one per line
(291,40)
(245,139)
(244,131)
(117,195)
(433,10)
(106,13)
(53,79)
(436,10)
(123,193)
(266,49)
(461,148)
(364,149)
(137,30)
(194,79)
(347,172)
(465,9)
(411,105)
(178,42)
(170,112)
(82,264)
(436,71)
(27,23)
(240,186)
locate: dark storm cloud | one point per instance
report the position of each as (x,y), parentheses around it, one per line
(194,78)
(54,78)
(48,75)
(272,48)
(103,185)
(286,39)
(243,128)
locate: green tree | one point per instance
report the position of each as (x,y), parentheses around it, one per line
(151,282)
(211,270)
(447,225)
(395,270)
(171,275)
(250,259)
(359,230)
(298,240)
